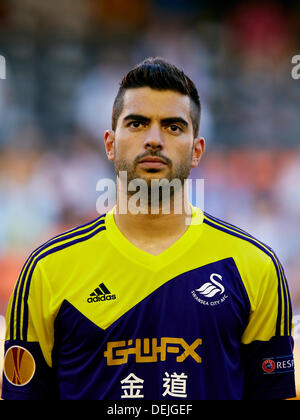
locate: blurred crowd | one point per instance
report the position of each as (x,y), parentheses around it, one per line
(64,62)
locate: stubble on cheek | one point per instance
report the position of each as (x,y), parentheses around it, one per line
(180,171)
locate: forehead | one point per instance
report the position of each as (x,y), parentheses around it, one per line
(156,103)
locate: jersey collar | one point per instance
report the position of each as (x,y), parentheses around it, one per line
(154,262)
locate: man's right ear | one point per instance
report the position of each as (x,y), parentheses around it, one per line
(109,142)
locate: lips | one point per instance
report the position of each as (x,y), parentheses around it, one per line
(152,162)
(152,159)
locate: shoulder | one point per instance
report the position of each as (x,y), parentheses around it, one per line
(60,246)
(239,241)
(261,271)
(258,264)
(51,260)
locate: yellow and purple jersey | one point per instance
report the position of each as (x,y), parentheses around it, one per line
(94,317)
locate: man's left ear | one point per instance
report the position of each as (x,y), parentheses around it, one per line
(198,150)
(109,142)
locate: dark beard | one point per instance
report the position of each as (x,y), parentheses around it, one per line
(181,172)
(155,196)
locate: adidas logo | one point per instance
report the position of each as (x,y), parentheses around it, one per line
(100,294)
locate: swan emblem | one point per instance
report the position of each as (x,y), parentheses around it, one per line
(212,287)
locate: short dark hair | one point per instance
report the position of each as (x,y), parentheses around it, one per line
(158,74)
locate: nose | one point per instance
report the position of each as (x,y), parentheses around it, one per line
(154,139)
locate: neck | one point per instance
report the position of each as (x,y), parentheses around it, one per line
(152,219)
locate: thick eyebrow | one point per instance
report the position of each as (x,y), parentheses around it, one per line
(136,117)
(164,121)
(174,120)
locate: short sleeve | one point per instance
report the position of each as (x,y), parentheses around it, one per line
(267,342)
(28,373)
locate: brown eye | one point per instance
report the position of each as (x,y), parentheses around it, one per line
(136,124)
(175,129)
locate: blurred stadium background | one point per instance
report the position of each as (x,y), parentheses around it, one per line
(64,62)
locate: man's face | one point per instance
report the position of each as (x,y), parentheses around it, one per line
(154,136)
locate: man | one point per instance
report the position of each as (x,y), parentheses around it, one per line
(155,305)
